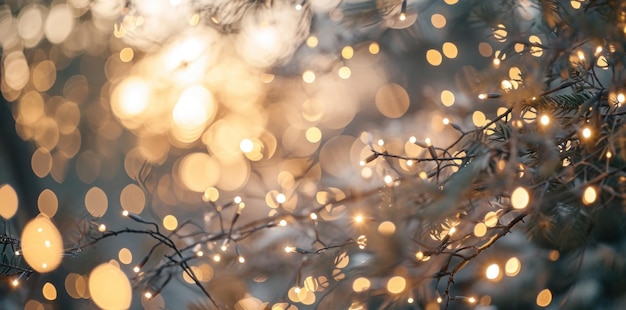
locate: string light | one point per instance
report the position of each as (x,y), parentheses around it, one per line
(15,282)
(451,231)
(589,195)
(492,272)
(102,228)
(280,198)
(282,223)
(544,120)
(520,198)
(136,269)
(241,259)
(217,258)
(290,249)
(586,133)
(148,295)
(388,179)
(358,218)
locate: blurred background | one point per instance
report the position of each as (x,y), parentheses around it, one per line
(162,107)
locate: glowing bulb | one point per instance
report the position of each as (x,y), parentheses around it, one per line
(388,179)
(148,295)
(217,258)
(102,228)
(446,121)
(452,231)
(589,195)
(237,200)
(410,300)
(246,145)
(439,299)
(492,272)
(621,98)
(520,198)
(282,223)
(402,16)
(308,76)
(224,248)
(482,96)
(471,300)
(313,216)
(512,266)
(544,120)
(419,255)
(362,163)
(290,249)
(296,289)
(381,142)
(15,282)
(496,62)
(586,133)
(409,162)
(125,213)
(358,218)
(199,253)
(609,154)
(280,198)
(298,7)
(241,259)
(136,269)
(598,50)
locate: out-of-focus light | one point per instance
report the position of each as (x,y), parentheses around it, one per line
(589,195)
(520,198)
(492,272)
(374,48)
(388,179)
(281,198)
(246,145)
(130,98)
(586,133)
(308,76)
